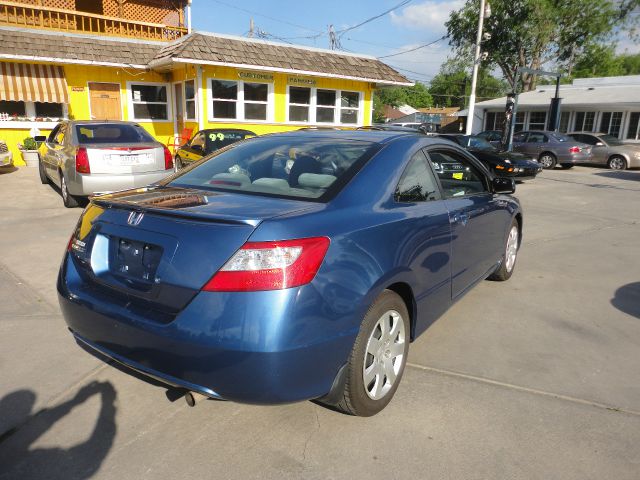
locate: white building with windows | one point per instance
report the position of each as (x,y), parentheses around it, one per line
(608,104)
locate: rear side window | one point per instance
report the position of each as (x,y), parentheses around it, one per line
(92,134)
(217,140)
(458,176)
(535,137)
(282,166)
(417,183)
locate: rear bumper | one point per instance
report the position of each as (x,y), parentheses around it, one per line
(90,184)
(255,347)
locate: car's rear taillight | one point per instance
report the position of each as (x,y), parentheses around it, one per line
(270,265)
(574,150)
(82,161)
(168,159)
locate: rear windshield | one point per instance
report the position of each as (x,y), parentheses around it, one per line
(287,166)
(217,140)
(112,133)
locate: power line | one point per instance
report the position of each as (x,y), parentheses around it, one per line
(401,4)
(415,48)
(258,14)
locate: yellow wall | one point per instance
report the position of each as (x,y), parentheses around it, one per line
(78,76)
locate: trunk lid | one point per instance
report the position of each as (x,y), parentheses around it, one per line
(119,160)
(154,248)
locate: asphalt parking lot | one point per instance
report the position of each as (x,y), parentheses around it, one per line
(536,378)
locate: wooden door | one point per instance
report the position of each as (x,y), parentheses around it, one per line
(104,99)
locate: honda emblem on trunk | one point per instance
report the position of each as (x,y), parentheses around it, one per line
(135,218)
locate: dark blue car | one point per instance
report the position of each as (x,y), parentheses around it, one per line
(288,267)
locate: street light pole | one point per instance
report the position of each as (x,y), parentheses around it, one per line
(474,76)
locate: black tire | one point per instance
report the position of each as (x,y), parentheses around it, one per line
(42,173)
(617,162)
(356,398)
(179,164)
(566,166)
(69,201)
(548,160)
(505,270)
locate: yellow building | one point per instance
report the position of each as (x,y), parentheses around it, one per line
(180,80)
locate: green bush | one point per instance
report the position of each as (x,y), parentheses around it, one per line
(29,144)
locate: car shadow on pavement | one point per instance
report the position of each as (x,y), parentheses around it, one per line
(8,169)
(627,299)
(621,175)
(18,458)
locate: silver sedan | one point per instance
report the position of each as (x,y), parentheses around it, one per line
(610,151)
(87,158)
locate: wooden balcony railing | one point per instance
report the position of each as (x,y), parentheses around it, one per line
(35,16)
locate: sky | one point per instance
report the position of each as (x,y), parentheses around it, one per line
(413,23)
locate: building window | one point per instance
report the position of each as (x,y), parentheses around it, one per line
(311,105)
(633,132)
(237,100)
(256,101)
(325,106)
(349,107)
(149,101)
(611,123)
(30,111)
(564,122)
(584,122)
(49,110)
(190,99)
(537,120)
(225,99)
(519,125)
(494,121)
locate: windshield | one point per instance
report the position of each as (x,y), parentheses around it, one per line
(281,166)
(473,141)
(561,137)
(96,133)
(611,140)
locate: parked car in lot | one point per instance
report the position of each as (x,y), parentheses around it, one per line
(552,148)
(503,164)
(236,279)
(609,150)
(494,137)
(208,141)
(6,157)
(89,157)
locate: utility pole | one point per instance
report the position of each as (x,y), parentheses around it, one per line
(485,10)
(250,35)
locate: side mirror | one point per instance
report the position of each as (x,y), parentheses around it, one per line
(503,185)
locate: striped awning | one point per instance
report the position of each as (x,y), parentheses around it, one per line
(21,82)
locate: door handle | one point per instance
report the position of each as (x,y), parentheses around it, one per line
(462,218)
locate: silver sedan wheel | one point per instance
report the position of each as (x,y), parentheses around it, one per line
(617,163)
(384,355)
(546,161)
(512,249)
(63,189)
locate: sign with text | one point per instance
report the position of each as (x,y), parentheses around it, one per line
(264,77)
(302,81)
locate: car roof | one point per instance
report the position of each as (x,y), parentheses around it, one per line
(111,122)
(376,136)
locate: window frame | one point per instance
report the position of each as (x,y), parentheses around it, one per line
(611,114)
(636,136)
(240,101)
(185,100)
(543,123)
(337,107)
(585,113)
(130,102)
(31,114)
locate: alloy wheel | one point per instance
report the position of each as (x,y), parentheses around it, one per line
(617,163)
(384,355)
(512,249)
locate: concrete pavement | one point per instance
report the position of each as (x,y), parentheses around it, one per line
(533,378)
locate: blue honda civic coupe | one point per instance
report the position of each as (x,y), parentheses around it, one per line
(290,266)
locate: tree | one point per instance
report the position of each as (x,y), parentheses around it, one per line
(416,96)
(532,33)
(450,87)
(598,61)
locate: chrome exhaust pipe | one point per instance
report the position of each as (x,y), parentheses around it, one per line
(194,397)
